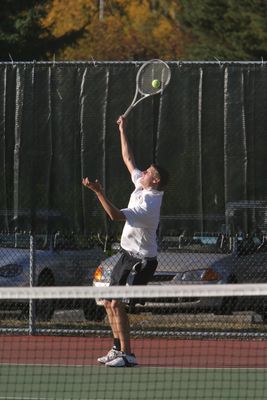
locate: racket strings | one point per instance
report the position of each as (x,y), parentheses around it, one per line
(151,72)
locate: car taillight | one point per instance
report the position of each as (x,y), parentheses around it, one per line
(210,275)
(98,273)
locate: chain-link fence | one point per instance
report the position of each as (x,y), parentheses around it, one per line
(29,260)
(58,125)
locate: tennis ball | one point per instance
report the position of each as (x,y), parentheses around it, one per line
(156,83)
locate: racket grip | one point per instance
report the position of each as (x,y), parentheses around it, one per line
(127,111)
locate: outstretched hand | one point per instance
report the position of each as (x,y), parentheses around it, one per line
(94,186)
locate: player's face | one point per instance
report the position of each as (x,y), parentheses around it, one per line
(149,178)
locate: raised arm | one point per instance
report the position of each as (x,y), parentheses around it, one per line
(126,151)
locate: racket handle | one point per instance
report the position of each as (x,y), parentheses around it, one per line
(127,111)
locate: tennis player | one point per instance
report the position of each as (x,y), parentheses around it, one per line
(138,259)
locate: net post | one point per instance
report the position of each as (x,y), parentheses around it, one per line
(32,303)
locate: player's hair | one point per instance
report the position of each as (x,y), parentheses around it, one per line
(163,176)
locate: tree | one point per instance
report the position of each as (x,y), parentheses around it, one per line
(124,30)
(20,30)
(23,35)
(225,29)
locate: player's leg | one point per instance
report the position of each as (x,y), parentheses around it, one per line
(117,315)
(112,353)
(121,325)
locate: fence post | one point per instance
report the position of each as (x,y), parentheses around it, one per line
(32,305)
(235,243)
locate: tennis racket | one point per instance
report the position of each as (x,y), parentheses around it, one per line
(152,78)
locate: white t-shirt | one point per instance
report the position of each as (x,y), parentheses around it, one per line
(142,219)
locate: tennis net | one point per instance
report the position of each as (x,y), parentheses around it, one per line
(190,342)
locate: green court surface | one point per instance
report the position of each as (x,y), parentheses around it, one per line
(43,382)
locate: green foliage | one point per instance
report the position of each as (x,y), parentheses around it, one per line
(21,35)
(225,29)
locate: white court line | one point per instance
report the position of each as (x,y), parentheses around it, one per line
(45,398)
(138,366)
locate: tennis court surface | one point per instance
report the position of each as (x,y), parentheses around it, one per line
(63,366)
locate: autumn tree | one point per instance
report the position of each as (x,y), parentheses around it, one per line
(126,30)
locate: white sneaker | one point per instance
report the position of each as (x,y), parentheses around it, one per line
(122,360)
(112,354)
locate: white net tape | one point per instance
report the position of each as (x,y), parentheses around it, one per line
(116,292)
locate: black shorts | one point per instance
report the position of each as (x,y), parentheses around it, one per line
(133,271)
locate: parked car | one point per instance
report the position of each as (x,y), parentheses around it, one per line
(248,264)
(59,261)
